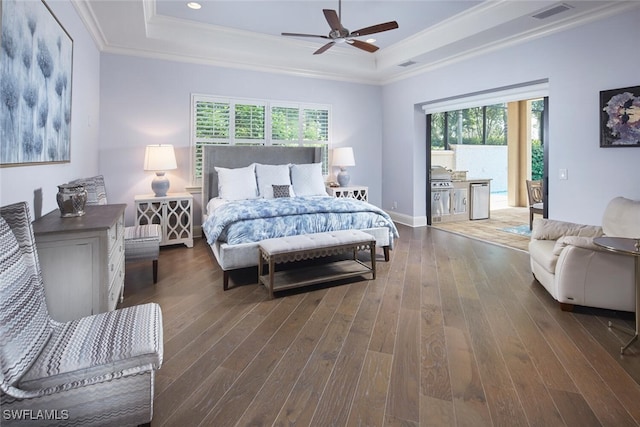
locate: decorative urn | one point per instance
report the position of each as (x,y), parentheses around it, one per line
(71,199)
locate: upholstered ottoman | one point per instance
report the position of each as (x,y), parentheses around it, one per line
(142,243)
(309,246)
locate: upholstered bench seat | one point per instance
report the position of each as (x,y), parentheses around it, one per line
(142,243)
(309,246)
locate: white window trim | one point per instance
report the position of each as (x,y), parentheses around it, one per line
(267,141)
(531,90)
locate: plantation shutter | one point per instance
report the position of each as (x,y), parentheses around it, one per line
(217,120)
(249,123)
(211,127)
(315,125)
(285,125)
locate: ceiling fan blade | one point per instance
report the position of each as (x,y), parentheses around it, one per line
(392,25)
(363,45)
(304,35)
(333,19)
(323,48)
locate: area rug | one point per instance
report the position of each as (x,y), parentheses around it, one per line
(521,230)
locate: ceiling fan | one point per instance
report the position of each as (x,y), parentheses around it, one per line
(340,34)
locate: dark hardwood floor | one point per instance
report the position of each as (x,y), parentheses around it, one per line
(453,331)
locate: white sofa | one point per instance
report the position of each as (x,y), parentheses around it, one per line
(575,271)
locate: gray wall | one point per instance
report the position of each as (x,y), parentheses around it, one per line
(579,63)
(147,101)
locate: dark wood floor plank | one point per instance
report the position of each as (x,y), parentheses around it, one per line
(371,394)
(279,384)
(177,395)
(574,409)
(234,403)
(595,391)
(434,363)
(436,412)
(469,402)
(503,401)
(303,399)
(536,400)
(198,404)
(404,389)
(279,310)
(335,403)
(413,273)
(453,332)
(384,332)
(541,352)
(182,358)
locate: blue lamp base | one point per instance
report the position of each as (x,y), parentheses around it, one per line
(343,178)
(160,184)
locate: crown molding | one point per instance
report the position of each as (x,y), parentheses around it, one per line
(591,15)
(167,38)
(90,22)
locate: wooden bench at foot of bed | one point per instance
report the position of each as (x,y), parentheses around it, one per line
(310,246)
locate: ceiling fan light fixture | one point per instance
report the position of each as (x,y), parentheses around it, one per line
(194,5)
(340,35)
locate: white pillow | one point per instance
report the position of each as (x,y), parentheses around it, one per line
(307,179)
(269,175)
(238,183)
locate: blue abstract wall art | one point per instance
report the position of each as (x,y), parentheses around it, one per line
(36,62)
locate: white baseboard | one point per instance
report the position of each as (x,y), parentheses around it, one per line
(411,221)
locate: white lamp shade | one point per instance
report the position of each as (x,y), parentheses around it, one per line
(160,157)
(343,157)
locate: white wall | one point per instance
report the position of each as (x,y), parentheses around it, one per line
(38,184)
(147,101)
(579,63)
(483,161)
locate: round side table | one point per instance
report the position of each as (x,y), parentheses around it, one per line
(630,247)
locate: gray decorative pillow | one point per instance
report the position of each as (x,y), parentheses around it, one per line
(281,191)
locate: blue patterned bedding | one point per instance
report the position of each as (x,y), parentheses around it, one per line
(246,221)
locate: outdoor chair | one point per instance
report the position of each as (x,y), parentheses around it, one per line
(536,200)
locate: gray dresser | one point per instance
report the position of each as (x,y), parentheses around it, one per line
(82,260)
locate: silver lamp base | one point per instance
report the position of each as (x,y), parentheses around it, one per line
(343,178)
(160,184)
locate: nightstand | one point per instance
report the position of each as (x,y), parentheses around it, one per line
(173,213)
(357,192)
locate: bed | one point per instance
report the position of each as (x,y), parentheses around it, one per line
(236,217)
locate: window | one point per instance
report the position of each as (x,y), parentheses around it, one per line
(479,126)
(256,122)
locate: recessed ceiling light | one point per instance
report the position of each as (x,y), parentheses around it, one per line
(370,40)
(194,5)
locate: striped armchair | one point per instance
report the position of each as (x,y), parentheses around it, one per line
(94,371)
(141,242)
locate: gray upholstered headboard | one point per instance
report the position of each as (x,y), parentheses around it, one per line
(237,156)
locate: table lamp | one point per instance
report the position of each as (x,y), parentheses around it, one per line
(160,158)
(343,157)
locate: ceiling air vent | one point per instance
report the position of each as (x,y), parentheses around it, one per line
(407,64)
(562,7)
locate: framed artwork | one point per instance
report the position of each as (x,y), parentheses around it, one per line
(620,117)
(36,61)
